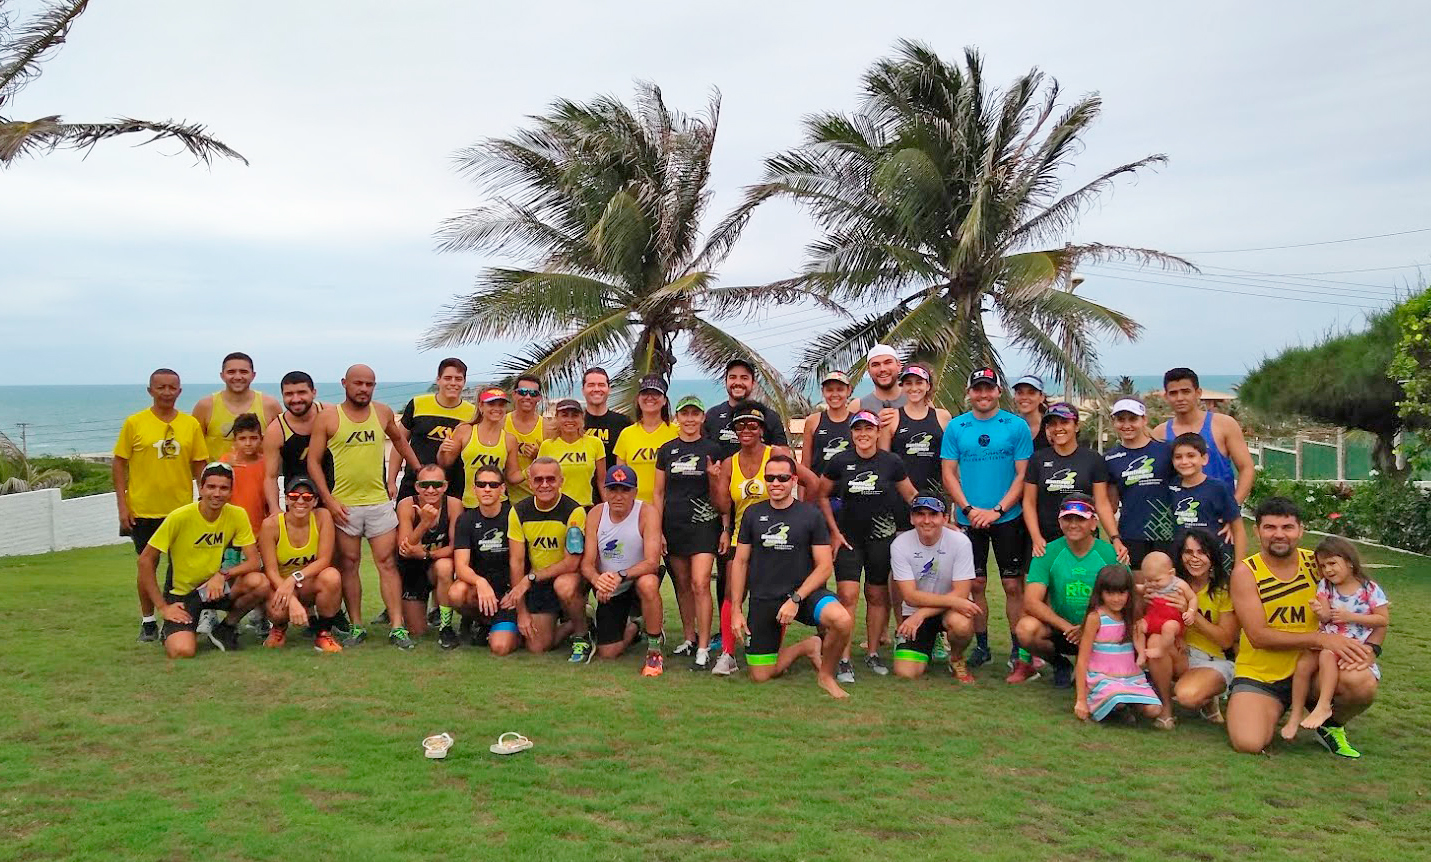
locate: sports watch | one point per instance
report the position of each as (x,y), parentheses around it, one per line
(794,598)
(531,577)
(967,509)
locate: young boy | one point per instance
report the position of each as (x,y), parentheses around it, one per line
(1200,501)
(250,472)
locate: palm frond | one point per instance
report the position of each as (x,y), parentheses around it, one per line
(844,348)
(1058,218)
(49,133)
(23,49)
(522,303)
(558,361)
(712,347)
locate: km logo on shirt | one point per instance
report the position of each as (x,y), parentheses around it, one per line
(366,435)
(1288,616)
(211,540)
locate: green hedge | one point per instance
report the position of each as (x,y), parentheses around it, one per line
(1383,510)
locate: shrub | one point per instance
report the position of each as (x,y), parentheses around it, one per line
(1385,510)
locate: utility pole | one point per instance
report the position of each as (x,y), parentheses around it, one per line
(24,443)
(1073,281)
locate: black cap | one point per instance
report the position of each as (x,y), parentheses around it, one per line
(299,482)
(653,382)
(984,375)
(741,361)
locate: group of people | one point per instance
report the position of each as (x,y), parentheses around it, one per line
(1125,573)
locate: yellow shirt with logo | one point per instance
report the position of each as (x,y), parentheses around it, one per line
(637,447)
(545,530)
(578,464)
(477,454)
(1212,608)
(196,544)
(219,435)
(1286,607)
(161,458)
(536,435)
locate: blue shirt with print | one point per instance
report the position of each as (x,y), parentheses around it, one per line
(988,452)
(1141,476)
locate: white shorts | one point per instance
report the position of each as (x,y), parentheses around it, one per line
(370,522)
(1198,658)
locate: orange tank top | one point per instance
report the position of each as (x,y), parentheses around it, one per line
(248,490)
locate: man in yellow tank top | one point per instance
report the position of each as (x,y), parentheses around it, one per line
(525,423)
(216,412)
(1271,593)
(362,509)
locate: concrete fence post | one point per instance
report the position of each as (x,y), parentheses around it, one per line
(1341,455)
(1297,449)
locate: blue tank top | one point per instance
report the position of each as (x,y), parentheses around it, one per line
(1219,466)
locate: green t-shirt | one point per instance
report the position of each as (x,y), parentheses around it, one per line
(1069,577)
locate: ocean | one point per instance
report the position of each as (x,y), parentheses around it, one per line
(64,420)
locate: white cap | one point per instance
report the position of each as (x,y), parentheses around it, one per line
(1130,405)
(880,350)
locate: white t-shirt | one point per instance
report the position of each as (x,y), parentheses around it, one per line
(933,568)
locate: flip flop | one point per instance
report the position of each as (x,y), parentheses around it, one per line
(436,747)
(1165,722)
(512,745)
(1212,711)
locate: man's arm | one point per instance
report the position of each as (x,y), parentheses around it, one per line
(251,562)
(651,541)
(1036,605)
(1234,443)
(824,559)
(149,584)
(119,474)
(736,586)
(1250,613)
(317,445)
(272,463)
(203,411)
(398,436)
(453,512)
(587,567)
(949,472)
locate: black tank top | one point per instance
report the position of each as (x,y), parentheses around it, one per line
(294,454)
(917,443)
(436,536)
(830,439)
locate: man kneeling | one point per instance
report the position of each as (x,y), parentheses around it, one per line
(194,537)
(297,549)
(933,567)
(622,556)
(783,552)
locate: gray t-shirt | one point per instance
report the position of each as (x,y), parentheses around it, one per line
(933,568)
(873,403)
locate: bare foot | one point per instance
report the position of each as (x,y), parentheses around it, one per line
(1316,717)
(831,687)
(1289,730)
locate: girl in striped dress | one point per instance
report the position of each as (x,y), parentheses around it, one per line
(1107,674)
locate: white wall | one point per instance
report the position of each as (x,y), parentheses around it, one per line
(38,522)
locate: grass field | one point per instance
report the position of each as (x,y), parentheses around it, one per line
(109,751)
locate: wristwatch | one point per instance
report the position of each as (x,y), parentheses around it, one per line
(794,598)
(967,509)
(298,578)
(999,509)
(531,577)
(623,575)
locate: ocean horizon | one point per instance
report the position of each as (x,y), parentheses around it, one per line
(85,418)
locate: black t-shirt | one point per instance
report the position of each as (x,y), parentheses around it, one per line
(606,428)
(486,538)
(1056,476)
(865,487)
(428,423)
(780,541)
(718,428)
(688,488)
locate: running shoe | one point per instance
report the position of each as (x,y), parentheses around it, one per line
(725,665)
(478,635)
(355,636)
(341,622)
(434,618)
(715,646)
(399,638)
(845,673)
(979,656)
(655,665)
(686,648)
(941,647)
(876,664)
(1038,663)
(959,669)
(263,627)
(206,623)
(277,637)
(148,632)
(381,619)
(1334,739)
(702,660)
(1062,673)
(1022,672)
(225,637)
(324,642)
(447,637)
(580,650)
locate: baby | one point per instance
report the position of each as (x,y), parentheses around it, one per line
(1162,622)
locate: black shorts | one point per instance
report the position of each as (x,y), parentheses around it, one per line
(1012,549)
(1281,689)
(766,633)
(1061,645)
(193,603)
(1140,548)
(612,616)
(870,556)
(416,579)
(542,598)
(504,620)
(919,647)
(685,537)
(142,531)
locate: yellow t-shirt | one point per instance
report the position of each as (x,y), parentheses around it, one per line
(196,544)
(637,447)
(545,531)
(536,435)
(161,459)
(1212,610)
(1285,606)
(578,464)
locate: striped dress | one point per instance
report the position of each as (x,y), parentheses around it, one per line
(1114,678)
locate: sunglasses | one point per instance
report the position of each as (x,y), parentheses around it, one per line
(487,483)
(779,477)
(529,393)
(219,465)
(431,483)
(300,497)
(544,480)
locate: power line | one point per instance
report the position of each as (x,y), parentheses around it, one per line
(1309,244)
(1237,292)
(1259,284)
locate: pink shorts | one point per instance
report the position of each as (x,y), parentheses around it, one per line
(1160,612)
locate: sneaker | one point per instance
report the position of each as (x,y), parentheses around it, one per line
(206,623)
(447,637)
(399,638)
(277,637)
(655,665)
(1062,674)
(580,650)
(434,618)
(959,669)
(1334,739)
(263,627)
(1038,663)
(478,634)
(715,646)
(341,623)
(876,664)
(979,656)
(355,636)
(148,632)
(225,637)
(686,648)
(941,647)
(702,661)
(324,642)
(845,673)
(1022,672)
(725,665)
(381,619)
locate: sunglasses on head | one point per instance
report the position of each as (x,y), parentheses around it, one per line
(528,391)
(431,483)
(779,477)
(300,497)
(487,483)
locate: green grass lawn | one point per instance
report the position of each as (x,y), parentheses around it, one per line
(109,751)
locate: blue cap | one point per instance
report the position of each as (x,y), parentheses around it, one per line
(933,504)
(620,476)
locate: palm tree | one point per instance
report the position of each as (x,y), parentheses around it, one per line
(603,203)
(935,198)
(19,474)
(23,47)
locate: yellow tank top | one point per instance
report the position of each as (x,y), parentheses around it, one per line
(477,454)
(536,435)
(357,448)
(746,491)
(291,559)
(219,432)
(1285,604)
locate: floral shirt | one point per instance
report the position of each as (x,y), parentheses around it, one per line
(1367,598)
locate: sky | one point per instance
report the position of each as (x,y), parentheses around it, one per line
(1286,124)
